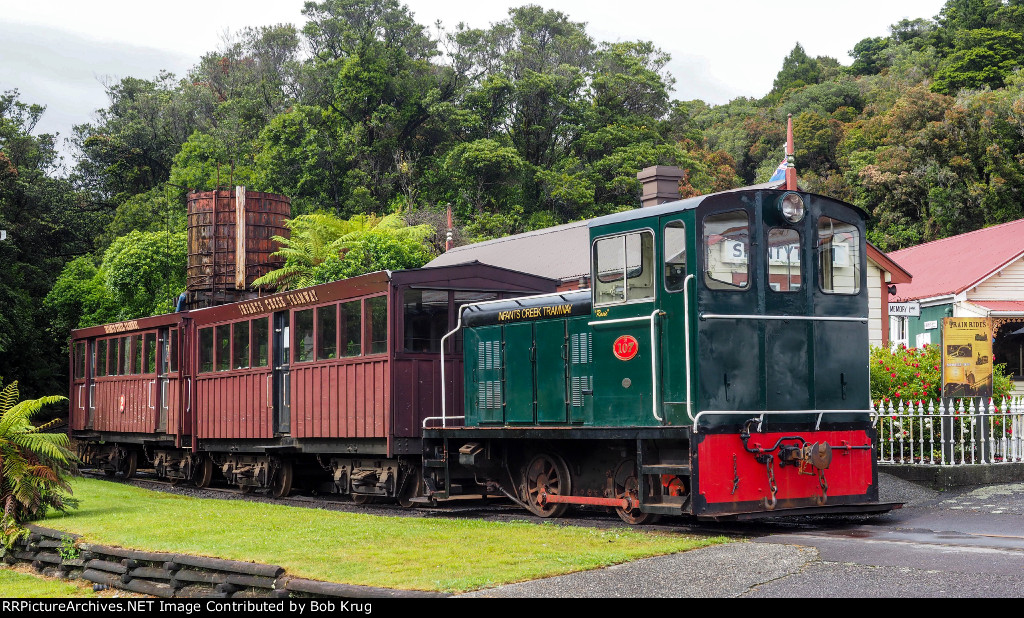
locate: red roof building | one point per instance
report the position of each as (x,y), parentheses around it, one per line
(977,274)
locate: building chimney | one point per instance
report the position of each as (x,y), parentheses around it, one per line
(660,184)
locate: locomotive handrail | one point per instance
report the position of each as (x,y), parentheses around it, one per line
(686,339)
(809,318)
(654,356)
(443,420)
(760,414)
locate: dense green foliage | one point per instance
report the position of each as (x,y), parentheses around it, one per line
(324,248)
(525,123)
(35,466)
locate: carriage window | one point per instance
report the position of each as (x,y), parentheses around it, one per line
(377,308)
(205,350)
(101,358)
(726,251)
(623,268)
(351,328)
(426,319)
(137,354)
(223,333)
(838,257)
(675,256)
(150,353)
(79,360)
(784,260)
(302,344)
(261,342)
(240,346)
(173,351)
(326,332)
(126,356)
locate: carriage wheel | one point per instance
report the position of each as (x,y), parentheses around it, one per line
(413,488)
(130,464)
(546,474)
(245,489)
(282,485)
(627,484)
(361,499)
(203,475)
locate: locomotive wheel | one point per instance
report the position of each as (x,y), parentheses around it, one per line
(546,474)
(130,464)
(413,488)
(282,485)
(203,475)
(627,484)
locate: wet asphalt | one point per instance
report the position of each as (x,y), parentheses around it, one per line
(964,543)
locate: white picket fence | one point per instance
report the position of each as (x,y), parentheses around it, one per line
(953,432)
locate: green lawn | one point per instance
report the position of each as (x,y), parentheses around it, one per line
(18,585)
(395,552)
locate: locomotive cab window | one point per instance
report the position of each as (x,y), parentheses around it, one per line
(784,260)
(727,251)
(624,268)
(675,256)
(838,257)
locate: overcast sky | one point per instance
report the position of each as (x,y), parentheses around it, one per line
(59,52)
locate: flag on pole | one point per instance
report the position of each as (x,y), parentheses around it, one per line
(780,173)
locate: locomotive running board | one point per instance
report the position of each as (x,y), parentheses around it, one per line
(839,509)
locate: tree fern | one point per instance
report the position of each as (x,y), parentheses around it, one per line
(35,465)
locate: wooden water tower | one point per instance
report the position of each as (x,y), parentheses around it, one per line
(230,243)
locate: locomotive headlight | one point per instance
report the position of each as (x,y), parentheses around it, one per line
(792,207)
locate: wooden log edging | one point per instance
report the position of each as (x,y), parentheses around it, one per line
(173,575)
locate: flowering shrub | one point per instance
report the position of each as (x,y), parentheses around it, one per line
(915,374)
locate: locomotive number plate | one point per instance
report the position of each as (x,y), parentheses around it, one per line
(625,347)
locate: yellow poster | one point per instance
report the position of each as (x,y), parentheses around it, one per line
(966,357)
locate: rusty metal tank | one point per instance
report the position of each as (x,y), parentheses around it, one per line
(230,243)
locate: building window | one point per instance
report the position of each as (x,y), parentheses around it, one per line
(899,329)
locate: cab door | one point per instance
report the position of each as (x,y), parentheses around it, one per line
(675,300)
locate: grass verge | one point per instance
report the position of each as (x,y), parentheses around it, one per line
(395,552)
(16,584)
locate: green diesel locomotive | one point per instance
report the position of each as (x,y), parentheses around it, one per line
(716,367)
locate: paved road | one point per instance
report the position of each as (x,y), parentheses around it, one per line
(958,543)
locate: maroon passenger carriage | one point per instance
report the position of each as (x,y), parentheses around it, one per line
(326,386)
